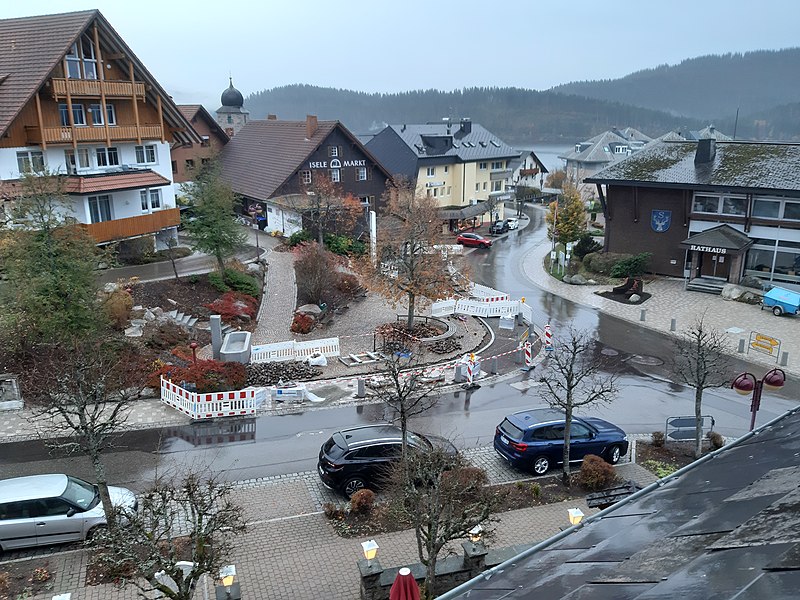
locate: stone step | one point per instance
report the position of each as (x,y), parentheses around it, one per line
(172,314)
(179,317)
(191,321)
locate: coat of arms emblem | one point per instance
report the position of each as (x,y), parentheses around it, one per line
(660,220)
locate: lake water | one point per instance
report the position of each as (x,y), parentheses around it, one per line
(548,154)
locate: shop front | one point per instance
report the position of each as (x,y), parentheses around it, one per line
(716,254)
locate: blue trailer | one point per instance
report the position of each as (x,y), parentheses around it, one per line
(781,301)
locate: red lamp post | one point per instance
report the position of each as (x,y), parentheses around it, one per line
(746,383)
(193,346)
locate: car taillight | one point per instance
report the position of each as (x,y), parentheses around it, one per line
(519,447)
(333,466)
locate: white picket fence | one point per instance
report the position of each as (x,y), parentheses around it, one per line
(214,404)
(292,350)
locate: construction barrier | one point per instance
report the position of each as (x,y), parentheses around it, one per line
(214,404)
(487,294)
(548,338)
(442,308)
(526,312)
(291,350)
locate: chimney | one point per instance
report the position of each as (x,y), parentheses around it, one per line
(466,125)
(272,117)
(311,126)
(706,151)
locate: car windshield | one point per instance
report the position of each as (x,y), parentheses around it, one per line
(418,441)
(80,493)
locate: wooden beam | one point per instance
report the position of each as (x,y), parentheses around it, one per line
(70,116)
(41,121)
(160,117)
(135,105)
(102,77)
(635,204)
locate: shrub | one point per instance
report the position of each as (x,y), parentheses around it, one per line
(243,283)
(338,244)
(660,469)
(658,438)
(302,323)
(362,501)
(118,307)
(602,262)
(207,375)
(217,281)
(715,439)
(233,305)
(635,266)
(595,474)
(536,490)
(298,237)
(315,273)
(470,476)
(348,283)
(331,510)
(586,245)
(166,336)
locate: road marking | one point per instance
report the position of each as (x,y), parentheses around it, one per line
(279,519)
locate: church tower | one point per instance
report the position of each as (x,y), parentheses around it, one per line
(231,116)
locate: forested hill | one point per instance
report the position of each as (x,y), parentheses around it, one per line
(516,115)
(709,87)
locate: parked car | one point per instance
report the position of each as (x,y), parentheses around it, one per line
(474,240)
(534,439)
(512,222)
(40,510)
(360,457)
(498,227)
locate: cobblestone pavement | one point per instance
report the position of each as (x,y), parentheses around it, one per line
(670,301)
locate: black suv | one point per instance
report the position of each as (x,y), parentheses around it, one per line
(499,227)
(357,458)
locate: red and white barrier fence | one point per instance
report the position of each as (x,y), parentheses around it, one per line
(213,404)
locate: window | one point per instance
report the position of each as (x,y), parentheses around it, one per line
(449,188)
(81,61)
(706,204)
(484,185)
(336,175)
(107,157)
(174,166)
(189,164)
(78,114)
(206,141)
(305,177)
(146,154)
(333,151)
(361,173)
(230,119)
(150,199)
(791,210)
(431,172)
(734,206)
(30,161)
(477,187)
(579,432)
(435,192)
(482,165)
(769,209)
(205,161)
(496,165)
(446,168)
(100,208)
(97,114)
(76,161)
(497,186)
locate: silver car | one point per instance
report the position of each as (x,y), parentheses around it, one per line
(40,510)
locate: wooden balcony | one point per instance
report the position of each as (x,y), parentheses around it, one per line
(528,172)
(117,133)
(93,88)
(119,229)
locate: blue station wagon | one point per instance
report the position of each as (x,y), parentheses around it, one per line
(534,439)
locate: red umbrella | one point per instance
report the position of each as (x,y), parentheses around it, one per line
(405,586)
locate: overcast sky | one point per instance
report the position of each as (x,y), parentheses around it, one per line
(379,46)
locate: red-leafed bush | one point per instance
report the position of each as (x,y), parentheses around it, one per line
(302,323)
(207,375)
(596,474)
(234,305)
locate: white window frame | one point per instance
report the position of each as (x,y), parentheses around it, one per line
(78,114)
(27,159)
(336,175)
(482,166)
(333,151)
(361,173)
(146,154)
(150,199)
(430,172)
(75,161)
(305,177)
(497,186)
(97,199)
(106,154)
(497,165)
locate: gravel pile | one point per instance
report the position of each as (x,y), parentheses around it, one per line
(262,374)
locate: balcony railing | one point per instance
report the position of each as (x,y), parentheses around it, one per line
(499,174)
(117,133)
(528,172)
(119,229)
(92,88)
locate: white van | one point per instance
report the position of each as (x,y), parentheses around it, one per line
(40,510)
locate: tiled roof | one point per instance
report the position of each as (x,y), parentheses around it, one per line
(721,236)
(747,165)
(601,149)
(76,184)
(30,48)
(434,140)
(265,153)
(191,111)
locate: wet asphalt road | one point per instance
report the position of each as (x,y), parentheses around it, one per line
(275,445)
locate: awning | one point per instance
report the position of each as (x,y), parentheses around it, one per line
(124,180)
(722,239)
(473,210)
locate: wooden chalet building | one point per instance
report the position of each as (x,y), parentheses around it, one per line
(711,211)
(75,100)
(272,164)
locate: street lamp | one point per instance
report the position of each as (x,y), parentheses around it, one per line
(193,346)
(746,383)
(370,548)
(575,515)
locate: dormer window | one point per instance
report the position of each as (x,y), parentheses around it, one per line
(81,60)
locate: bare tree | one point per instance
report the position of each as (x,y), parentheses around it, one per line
(405,389)
(192,522)
(82,394)
(326,206)
(575,378)
(172,244)
(491,203)
(700,361)
(409,267)
(444,497)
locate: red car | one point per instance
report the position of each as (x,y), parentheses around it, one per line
(473,239)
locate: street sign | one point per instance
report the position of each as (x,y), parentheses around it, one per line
(765,344)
